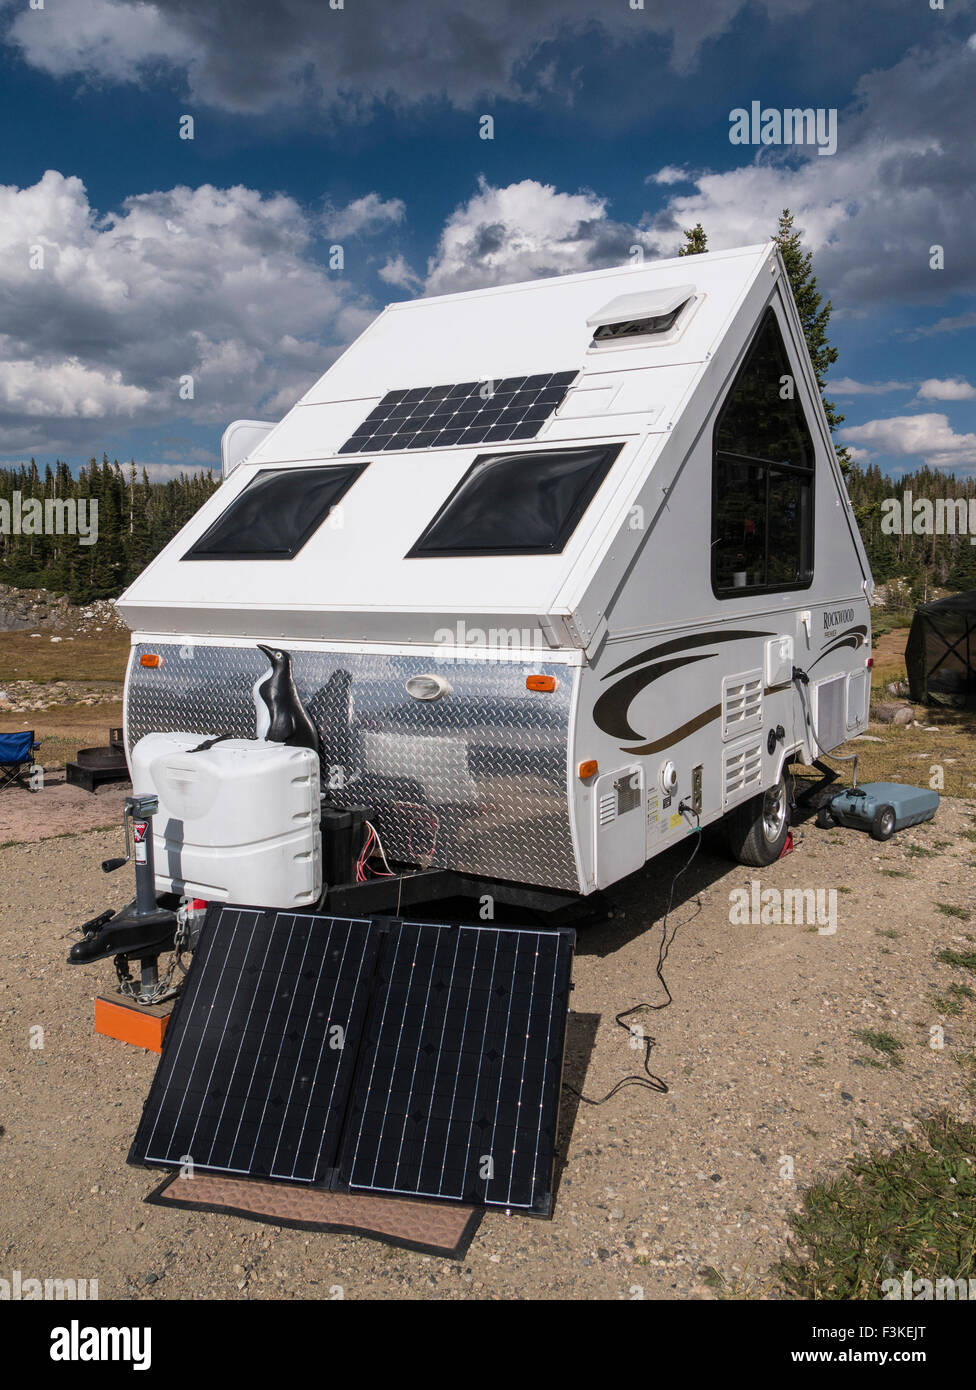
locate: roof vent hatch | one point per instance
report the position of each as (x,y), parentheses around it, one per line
(645,314)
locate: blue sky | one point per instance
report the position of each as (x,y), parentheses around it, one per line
(131,258)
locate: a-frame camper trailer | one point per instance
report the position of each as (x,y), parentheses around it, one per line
(536,579)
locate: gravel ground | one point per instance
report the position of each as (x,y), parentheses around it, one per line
(654,1189)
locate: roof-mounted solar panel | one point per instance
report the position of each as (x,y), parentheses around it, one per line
(472,412)
(394,1057)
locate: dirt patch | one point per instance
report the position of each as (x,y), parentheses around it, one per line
(771,1086)
(58,809)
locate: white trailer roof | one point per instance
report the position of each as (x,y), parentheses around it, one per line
(354,579)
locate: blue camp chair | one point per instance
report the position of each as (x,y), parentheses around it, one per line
(16,756)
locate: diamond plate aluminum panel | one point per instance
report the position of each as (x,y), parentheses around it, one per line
(475,781)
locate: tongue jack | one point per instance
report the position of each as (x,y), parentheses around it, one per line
(143,928)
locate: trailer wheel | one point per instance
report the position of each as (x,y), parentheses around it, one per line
(757,829)
(883,825)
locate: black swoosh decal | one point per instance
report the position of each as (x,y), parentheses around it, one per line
(678,644)
(683,730)
(610,711)
(853,637)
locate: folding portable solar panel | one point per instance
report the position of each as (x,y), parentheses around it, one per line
(391,1057)
(457,1092)
(256,1065)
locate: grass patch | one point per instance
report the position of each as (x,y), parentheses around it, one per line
(894,759)
(966,960)
(951,1004)
(950,910)
(889,932)
(912,1209)
(886,1043)
(896,873)
(99,657)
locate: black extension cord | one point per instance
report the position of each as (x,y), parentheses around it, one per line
(648,1081)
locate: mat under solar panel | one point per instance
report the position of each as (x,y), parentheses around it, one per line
(444,1084)
(472,412)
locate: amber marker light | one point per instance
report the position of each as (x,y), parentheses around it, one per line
(588,769)
(151,659)
(546,683)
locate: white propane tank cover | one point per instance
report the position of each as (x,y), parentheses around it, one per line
(237,822)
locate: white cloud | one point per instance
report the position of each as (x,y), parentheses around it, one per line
(846,386)
(67,389)
(396,271)
(929,437)
(292,52)
(100,38)
(669,174)
(903,179)
(521,232)
(363,216)
(955,324)
(217,284)
(168,472)
(954,389)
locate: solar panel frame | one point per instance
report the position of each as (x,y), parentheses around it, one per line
(239,1064)
(514,409)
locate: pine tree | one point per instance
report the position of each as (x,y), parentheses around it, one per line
(696,241)
(814,316)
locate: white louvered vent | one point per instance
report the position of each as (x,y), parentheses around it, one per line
(608,808)
(741,771)
(742,703)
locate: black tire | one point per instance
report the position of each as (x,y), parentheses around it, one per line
(756,836)
(883,825)
(824,818)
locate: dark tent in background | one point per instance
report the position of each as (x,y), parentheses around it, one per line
(941,652)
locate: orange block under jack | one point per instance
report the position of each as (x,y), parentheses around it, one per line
(143,1025)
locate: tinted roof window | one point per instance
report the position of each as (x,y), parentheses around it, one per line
(526,503)
(278,511)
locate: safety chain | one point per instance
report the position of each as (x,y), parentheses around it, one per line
(163,989)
